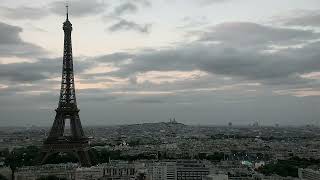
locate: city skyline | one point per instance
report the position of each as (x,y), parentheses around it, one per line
(213,62)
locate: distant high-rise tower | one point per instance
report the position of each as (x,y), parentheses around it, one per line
(58,141)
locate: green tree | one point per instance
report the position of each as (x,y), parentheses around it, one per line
(288,167)
(19,157)
(59,158)
(14,161)
(2,177)
(217,156)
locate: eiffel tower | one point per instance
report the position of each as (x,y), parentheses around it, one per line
(57,141)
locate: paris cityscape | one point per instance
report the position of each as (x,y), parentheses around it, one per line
(159,90)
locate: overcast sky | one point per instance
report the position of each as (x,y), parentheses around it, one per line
(200,61)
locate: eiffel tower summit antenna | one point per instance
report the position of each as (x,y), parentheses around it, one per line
(67,9)
(58,140)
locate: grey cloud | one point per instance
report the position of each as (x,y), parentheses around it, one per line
(21,76)
(228,59)
(304,18)
(42,69)
(143,2)
(28,72)
(252,34)
(125,8)
(16,88)
(116,58)
(9,34)
(78,8)
(148,100)
(12,45)
(128,7)
(233,58)
(124,25)
(280,68)
(23,12)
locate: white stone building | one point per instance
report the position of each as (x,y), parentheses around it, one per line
(162,171)
(309,174)
(216,177)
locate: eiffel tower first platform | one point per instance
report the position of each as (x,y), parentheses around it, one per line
(76,143)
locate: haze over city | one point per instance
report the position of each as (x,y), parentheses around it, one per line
(206,62)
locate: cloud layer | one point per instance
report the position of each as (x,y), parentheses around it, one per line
(238,70)
(11,43)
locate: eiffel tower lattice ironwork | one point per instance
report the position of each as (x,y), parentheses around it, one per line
(57,141)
